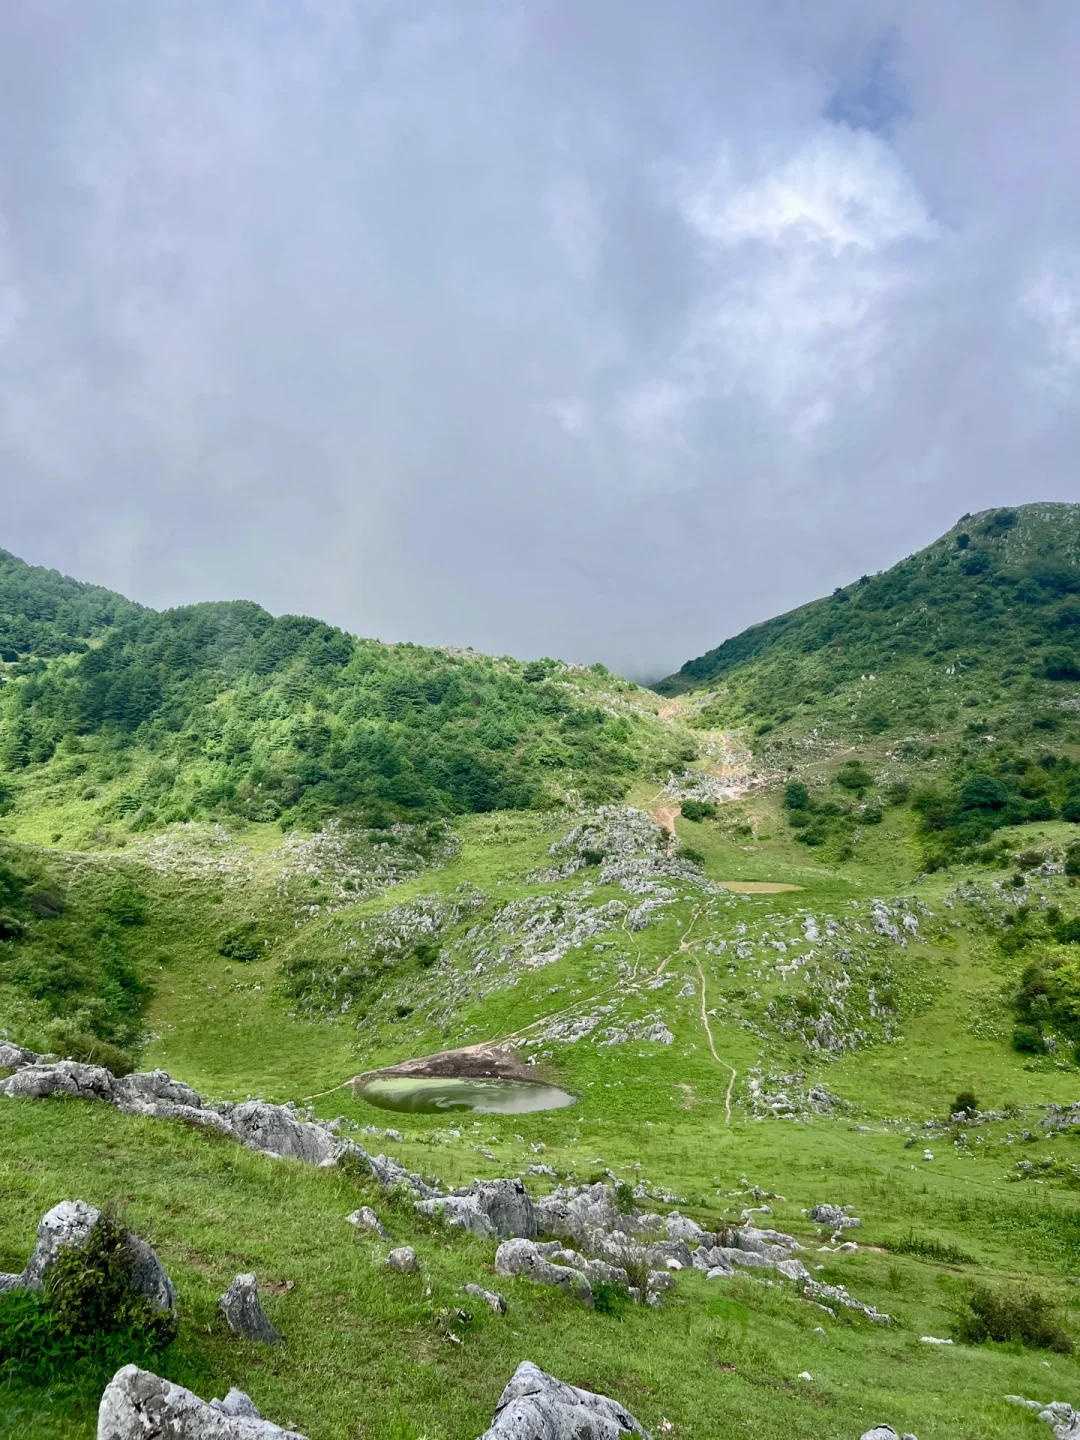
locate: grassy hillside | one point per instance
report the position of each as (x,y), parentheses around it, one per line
(779,1002)
(985,620)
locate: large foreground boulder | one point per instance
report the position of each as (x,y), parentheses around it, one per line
(137,1405)
(536,1406)
(69,1224)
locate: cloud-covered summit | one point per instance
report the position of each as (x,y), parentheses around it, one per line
(588,329)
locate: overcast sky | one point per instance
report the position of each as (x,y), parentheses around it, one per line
(591,328)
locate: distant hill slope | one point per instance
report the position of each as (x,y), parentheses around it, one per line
(45,613)
(224,708)
(998,596)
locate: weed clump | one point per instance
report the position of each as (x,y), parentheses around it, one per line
(1020,1315)
(927,1248)
(89,1320)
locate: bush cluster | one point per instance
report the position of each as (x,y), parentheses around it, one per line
(1018,1315)
(89,1320)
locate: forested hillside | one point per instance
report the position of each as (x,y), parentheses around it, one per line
(223,708)
(993,607)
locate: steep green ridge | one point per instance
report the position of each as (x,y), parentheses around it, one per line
(44,613)
(786,1046)
(224,709)
(987,614)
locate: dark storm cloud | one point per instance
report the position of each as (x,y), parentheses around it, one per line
(594,329)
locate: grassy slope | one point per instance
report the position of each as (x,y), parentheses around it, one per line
(959,632)
(365,1353)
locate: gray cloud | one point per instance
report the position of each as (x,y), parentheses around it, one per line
(594,329)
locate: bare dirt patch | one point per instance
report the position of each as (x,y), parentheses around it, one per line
(756,887)
(473,1062)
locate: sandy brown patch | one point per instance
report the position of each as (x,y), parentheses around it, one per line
(473,1062)
(756,887)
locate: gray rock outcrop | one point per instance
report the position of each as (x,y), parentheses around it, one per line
(244,1313)
(1058,1414)
(271,1129)
(488,1208)
(521,1257)
(12,1057)
(69,1224)
(536,1406)
(885,1432)
(138,1405)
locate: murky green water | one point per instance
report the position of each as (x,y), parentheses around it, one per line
(433,1096)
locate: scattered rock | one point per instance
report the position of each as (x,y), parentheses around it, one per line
(366,1219)
(403,1260)
(69,1224)
(836,1217)
(244,1313)
(138,1405)
(1064,1420)
(933,1340)
(491,1298)
(536,1406)
(885,1432)
(522,1257)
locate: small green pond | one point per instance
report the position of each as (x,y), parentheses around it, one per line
(427,1096)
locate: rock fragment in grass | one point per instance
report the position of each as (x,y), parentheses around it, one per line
(366,1219)
(244,1313)
(403,1260)
(495,1302)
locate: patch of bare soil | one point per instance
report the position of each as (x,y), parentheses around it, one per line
(756,887)
(473,1062)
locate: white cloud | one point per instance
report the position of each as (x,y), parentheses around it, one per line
(1050,300)
(809,259)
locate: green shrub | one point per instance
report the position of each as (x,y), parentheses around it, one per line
(610,1298)
(695,857)
(854,776)
(698,810)
(89,1319)
(966,1102)
(1072,855)
(242,943)
(1062,664)
(1028,1040)
(1020,1315)
(624,1198)
(796,796)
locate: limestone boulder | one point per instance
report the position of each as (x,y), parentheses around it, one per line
(537,1406)
(138,1405)
(366,1219)
(403,1260)
(64,1077)
(69,1224)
